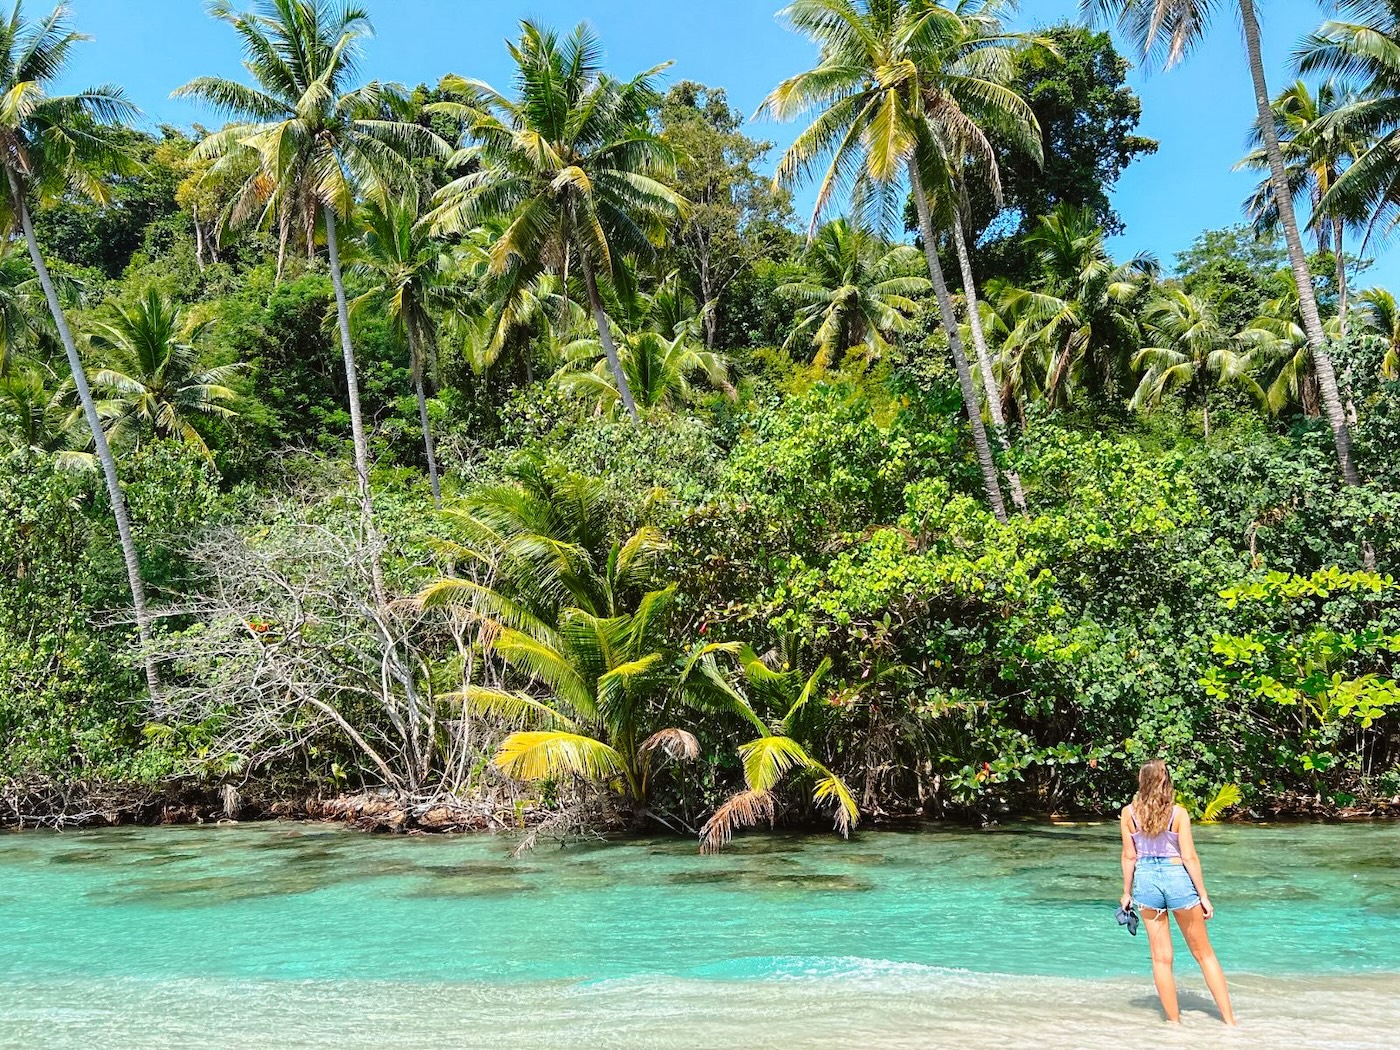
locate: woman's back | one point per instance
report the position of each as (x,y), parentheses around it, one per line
(1166,843)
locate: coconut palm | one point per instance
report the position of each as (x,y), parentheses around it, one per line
(21,306)
(593,687)
(1380,314)
(857,291)
(41,419)
(413,278)
(900,92)
(1076,331)
(318,140)
(572,163)
(1317,148)
(498,317)
(575,624)
(1362,44)
(1278,344)
(977,329)
(1167,30)
(1189,351)
(658,370)
(151,378)
(52,145)
(783,706)
(983,22)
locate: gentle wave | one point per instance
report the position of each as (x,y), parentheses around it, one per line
(821,1003)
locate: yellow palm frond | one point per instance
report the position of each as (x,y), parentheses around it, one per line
(1228,795)
(831,788)
(546,754)
(768,758)
(514,707)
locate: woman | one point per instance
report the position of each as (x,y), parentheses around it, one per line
(1161,873)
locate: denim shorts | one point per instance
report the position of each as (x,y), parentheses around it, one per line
(1163,883)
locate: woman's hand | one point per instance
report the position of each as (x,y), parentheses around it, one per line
(1125,901)
(1207,909)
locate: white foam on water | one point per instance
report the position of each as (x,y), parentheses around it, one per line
(822,1004)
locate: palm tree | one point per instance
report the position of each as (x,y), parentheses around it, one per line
(983,22)
(856,291)
(1190,351)
(1317,148)
(21,301)
(41,420)
(782,705)
(573,164)
(899,91)
(658,370)
(151,375)
(1079,327)
(576,624)
(1380,313)
(594,686)
(317,140)
(52,145)
(977,330)
(1278,344)
(1363,45)
(413,276)
(1169,29)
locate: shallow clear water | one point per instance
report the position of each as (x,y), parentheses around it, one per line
(312,935)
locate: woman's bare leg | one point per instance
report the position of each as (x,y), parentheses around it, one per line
(1159,939)
(1193,927)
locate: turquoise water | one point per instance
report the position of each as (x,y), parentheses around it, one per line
(312,935)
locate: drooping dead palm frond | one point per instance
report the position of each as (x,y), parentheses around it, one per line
(745,809)
(675,743)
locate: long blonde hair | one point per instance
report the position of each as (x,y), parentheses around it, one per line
(1155,802)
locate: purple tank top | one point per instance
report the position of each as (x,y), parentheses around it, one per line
(1163,844)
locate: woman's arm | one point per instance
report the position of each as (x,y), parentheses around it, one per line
(1129,859)
(1192,860)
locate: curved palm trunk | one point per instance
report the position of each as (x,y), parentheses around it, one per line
(950,326)
(357,426)
(1307,295)
(984,362)
(428,445)
(600,319)
(99,442)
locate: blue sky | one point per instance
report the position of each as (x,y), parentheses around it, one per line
(1199,112)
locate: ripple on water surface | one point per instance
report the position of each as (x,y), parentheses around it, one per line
(157,937)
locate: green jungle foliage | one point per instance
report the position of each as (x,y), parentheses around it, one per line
(714,538)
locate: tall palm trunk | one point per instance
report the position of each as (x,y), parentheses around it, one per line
(1307,296)
(198,237)
(99,442)
(357,426)
(984,361)
(950,326)
(415,354)
(1338,236)
(600,319)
